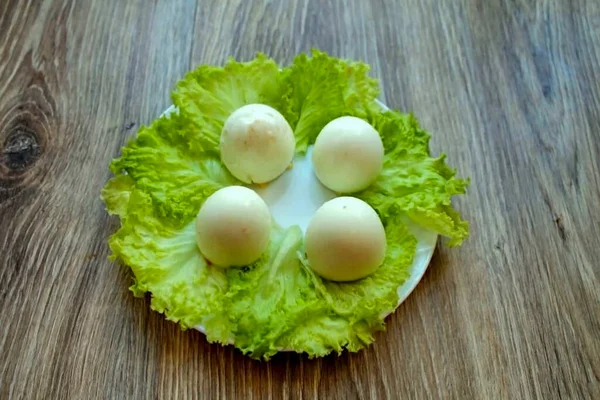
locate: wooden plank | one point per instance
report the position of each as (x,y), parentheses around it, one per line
(510,91)
(76,80)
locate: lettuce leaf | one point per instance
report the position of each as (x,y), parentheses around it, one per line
(280,303)
(208,95)
(165,261)
(356,310)
(321,88)
(164,162)
(412,182)
(116,193)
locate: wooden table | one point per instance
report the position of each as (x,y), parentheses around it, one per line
(509,89)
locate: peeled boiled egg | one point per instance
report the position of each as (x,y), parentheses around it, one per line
(345,240)
(257,143)
(233,227)
(348,155)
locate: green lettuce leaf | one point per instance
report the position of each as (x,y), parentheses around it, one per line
(164,162)
(279,303)
(208,95)
(165,261)
(321,88)
(412,182)
(116,193)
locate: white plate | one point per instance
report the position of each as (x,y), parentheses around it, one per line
(294,197)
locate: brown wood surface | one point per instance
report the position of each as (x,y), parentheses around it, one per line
(509,89)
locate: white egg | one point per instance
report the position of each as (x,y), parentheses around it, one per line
(348,155)
(233,227)
(345,240)
(257,143)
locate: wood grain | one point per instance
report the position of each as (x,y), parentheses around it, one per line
(511,92)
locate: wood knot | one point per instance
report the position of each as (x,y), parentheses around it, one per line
(20,149)
(24,142)
(28,134)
